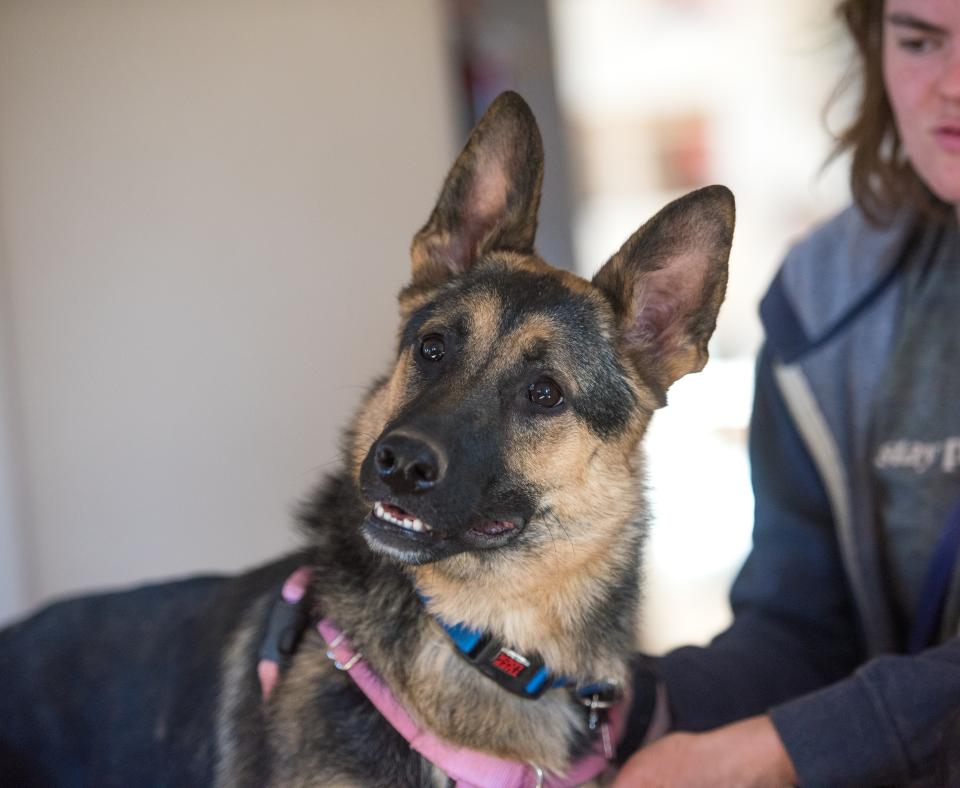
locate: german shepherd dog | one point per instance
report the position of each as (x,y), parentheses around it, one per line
(490,483)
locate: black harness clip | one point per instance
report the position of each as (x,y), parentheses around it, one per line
(285,628)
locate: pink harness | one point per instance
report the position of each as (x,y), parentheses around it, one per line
(469,768)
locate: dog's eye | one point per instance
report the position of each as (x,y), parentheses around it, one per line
(432,347)
(545,392)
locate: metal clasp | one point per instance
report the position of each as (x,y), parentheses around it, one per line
(538,772)
(598,702)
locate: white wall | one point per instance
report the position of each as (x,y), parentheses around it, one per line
(206,208)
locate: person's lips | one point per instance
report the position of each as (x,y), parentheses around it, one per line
(947,136)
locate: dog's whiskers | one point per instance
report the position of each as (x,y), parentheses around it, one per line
(312,470)
(546,517)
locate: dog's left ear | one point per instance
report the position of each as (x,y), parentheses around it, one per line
(490,197)
(667,282)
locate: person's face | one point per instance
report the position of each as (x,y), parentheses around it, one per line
(921,71)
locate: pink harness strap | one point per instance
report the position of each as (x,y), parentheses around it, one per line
(469,768)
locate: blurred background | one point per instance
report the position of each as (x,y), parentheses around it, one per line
(205,211)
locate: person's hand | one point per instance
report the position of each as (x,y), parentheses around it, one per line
(746,754)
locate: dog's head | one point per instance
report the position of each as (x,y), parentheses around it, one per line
(510,422)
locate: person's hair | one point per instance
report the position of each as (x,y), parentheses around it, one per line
(881,179)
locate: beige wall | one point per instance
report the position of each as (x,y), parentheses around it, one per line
(205,211)
(13,551)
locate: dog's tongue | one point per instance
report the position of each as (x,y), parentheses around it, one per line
(494,527)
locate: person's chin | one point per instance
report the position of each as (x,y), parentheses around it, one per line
(941,173)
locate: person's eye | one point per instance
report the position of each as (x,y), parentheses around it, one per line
(919,44)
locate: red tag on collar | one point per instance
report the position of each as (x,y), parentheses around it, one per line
(510,662)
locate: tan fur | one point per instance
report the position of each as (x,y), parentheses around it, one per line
(511,727)
(292,722)
(411,298)
(484,318)
(231,758)
(376,411)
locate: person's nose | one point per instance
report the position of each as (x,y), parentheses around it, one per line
(948,84)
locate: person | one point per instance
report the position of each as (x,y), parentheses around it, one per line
(842,664)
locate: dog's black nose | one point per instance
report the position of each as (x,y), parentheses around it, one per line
(407,464)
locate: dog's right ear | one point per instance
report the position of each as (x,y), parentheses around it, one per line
(490,197)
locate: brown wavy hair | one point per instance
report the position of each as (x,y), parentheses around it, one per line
(881,178)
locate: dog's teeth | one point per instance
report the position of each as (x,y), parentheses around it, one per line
(410,523)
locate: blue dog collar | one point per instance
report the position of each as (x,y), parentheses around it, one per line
(522,674)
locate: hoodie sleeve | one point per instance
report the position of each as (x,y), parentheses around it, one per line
(897,719)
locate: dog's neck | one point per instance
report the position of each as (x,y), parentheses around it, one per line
(567,620)
(570,624)
(574,604)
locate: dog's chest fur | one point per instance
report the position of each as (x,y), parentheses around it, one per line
(319,729)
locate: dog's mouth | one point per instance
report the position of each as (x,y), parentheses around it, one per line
(393,530)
